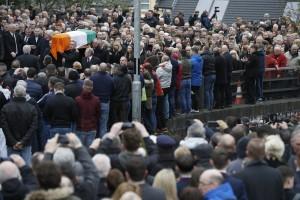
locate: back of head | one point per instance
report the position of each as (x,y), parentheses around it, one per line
(48,175)
(102,163)
(274,147)
(8,170)
(196,130)
(26,49)
(64,156)
(131,139)
(103,67)
(31,72)
(19,91)
(51,70)
(114,179)
(256,149)
(210,179)
(195,49)
(190,193)
(130,196)
(124,188)
(220,158)
(185,163)
(165,179)
(136,168)
(286,172)
(73,75)
(59,87)
(238,132)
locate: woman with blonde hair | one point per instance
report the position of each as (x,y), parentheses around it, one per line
(125,187)
(165,180)
(115,53)
(274,150)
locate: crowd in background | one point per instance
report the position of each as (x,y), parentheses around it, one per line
(185,67)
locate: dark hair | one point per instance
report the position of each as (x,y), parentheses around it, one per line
(196,173)
(231,121)
(51,70)
(185,163)
(131,139)
(190,193)
(61,71)
(136,167)
(48,175)
(286,172)
(53,80)
(59,86)
(195,49)
(31,72)
(114,179)
(220,157)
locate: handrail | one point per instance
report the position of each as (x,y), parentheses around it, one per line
(267,69)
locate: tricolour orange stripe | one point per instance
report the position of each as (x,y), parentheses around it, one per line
(60,43)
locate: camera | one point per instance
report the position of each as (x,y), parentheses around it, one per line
(127,125)
(217,9)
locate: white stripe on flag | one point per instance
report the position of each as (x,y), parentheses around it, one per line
(79,37)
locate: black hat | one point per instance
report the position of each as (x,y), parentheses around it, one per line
(165,141)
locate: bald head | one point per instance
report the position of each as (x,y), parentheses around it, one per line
(224,49)
(227,142)
(256,149)
(8,170)
(209,180)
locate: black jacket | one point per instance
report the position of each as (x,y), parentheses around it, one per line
(2,47)
(60,111)
(252,66)
(19,121)
(86,64)
(10,45)
(122,88)
(262,182)
(115,56)
(102,54)
(73,89)
(28,60)
(151,193)
(221,71)
(70,57)
(208,63)
(229,64)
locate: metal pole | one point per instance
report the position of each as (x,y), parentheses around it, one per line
(136,84)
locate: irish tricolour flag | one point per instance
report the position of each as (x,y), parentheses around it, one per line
(61,42)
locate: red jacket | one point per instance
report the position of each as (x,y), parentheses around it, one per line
(281,60)
(89,111)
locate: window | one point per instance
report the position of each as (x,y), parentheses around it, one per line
(144,4)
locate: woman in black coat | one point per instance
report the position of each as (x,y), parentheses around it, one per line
(251,73)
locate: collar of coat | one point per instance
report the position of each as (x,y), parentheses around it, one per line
(255,163)
(51,194)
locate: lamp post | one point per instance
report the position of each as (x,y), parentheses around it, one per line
(136,84)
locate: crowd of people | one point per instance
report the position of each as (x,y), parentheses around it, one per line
(53,108)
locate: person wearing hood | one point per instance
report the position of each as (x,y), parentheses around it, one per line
(121,95)
(196,79)
(89,113)
(251,73)
(212,185)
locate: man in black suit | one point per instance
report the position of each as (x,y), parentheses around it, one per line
(12,44)
(229,66)
(136,172)
(28,60)
(89,59)
(2,47)
(34,40)
(27,35)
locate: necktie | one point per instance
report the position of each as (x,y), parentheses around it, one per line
(14,36)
